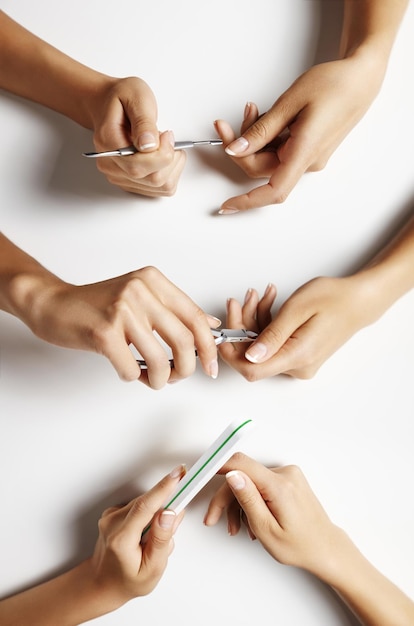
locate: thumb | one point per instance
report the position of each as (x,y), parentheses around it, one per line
(248,496)
(142,114)
(268,343)
(257,136)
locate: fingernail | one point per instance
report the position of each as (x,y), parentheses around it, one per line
(178,471)
(228,211)
(237,147)
(256,353)
(213,369)
(213,319)
(248,295)
(146,141)
(171,138)
(247,110)
(235,479)
(167,518)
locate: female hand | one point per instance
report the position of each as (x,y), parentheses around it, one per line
(280,510)
(302,129)
(108,316)
(309,327)
(123,565)
(124,112)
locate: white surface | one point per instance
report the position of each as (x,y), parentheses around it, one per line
(75,439)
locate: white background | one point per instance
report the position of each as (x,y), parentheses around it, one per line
(75,439)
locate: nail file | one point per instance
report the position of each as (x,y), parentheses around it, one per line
(207,465)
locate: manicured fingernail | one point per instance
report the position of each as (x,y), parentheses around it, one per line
(146,141)
(256,353)
(167,519)
(213,319)
(248,295)
(237,147)
(228,211)
(171,138)
(178,471)
(235,479)
(213,369)
(247,110)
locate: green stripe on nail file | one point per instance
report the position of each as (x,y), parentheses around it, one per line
(207,465)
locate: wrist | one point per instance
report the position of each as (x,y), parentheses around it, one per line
(380,285)
(340,559)
(28,292)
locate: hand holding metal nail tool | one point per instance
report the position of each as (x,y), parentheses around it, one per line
(128,150)
(225,335)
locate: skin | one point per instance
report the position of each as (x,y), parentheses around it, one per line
(121,567)
(281,511)
(306,124)
(108,316)
(119,111)
(320,316)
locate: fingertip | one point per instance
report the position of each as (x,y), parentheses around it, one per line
(214,322)
(147,142)
(256,353)
(168,138)
(213,368)
(227,210)
(236,480)
(237,147)
(167,519)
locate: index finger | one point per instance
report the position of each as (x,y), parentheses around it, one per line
(141,510)
(275,191)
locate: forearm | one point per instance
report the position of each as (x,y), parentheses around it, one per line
(70,599)
(33,69)
(369,594)
(390,273)
(371,24)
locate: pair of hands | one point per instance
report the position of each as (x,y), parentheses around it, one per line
(279,507)
(108,316)
(298,134)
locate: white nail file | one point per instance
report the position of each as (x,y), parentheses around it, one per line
(207,465)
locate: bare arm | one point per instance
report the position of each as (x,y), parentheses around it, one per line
(283,513)
(321,315)
(119,111)
(108,316)
(121,567)
(33,69)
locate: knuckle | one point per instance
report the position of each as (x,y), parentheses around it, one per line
(140,507)
(280,195)
(238,459)
(185,337)
(149,273)
(250,500)
(293,472)
(258,132)
(115,543)
(273,335)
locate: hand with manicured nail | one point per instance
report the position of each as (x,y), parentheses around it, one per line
(119,111)
(120,569)
(307,122)
(320,316)
(282,512)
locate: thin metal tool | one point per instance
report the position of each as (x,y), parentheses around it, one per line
(225,335)
(128,150)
